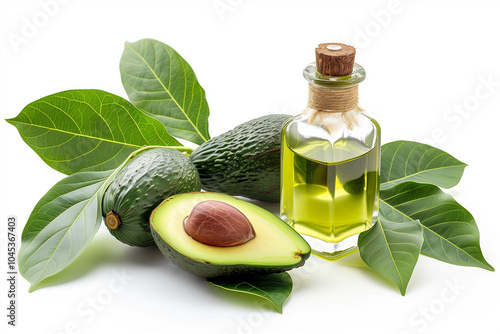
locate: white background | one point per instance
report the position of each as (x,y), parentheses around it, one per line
(425,61)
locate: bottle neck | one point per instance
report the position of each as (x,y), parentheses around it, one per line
(326,99)
(329,94)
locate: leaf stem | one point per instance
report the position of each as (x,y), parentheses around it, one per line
(183,149)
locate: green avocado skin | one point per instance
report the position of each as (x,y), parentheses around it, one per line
(244,161)
(210,270)
(141,186)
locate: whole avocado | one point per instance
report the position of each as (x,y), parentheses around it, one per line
(244,161)
(141,185)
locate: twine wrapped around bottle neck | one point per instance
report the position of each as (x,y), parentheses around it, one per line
(333,100)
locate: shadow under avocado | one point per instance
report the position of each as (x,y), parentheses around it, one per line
(100,252)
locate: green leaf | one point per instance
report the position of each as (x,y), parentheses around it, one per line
(392,249)
(159,81)
(273,287)
(63,223)
(450,232)
(404,161)
(87,130)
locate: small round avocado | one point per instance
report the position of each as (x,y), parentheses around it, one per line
(276,247)
(140,186)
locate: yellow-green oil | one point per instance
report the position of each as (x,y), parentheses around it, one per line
(325,196)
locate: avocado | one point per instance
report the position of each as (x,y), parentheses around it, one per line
(244,161)
(141,185)
(273,246)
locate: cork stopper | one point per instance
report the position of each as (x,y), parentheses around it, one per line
(335,59)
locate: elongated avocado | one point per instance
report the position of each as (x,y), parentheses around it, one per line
(140,186)
(273,247)
(244,161)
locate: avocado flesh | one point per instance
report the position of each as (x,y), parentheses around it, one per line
(276,246)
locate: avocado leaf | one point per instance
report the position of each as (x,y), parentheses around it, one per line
(411,174)
(87,130)
(404,161)
(392,249)
(412,206)
(160,82)
(63,223)
(273,287)
(450,232)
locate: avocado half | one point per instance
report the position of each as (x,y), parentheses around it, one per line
(276,246)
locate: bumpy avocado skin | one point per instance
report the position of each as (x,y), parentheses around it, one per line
(141,186)
(244,161)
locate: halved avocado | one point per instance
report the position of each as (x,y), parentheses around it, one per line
(276,246)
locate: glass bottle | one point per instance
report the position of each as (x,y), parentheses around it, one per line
(330,160)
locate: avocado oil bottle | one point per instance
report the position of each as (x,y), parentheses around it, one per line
(330,157)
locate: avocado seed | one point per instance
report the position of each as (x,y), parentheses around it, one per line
(219,224)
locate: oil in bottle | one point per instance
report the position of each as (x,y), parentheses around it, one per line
(330,159)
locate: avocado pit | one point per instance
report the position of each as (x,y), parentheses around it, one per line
(219,224)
